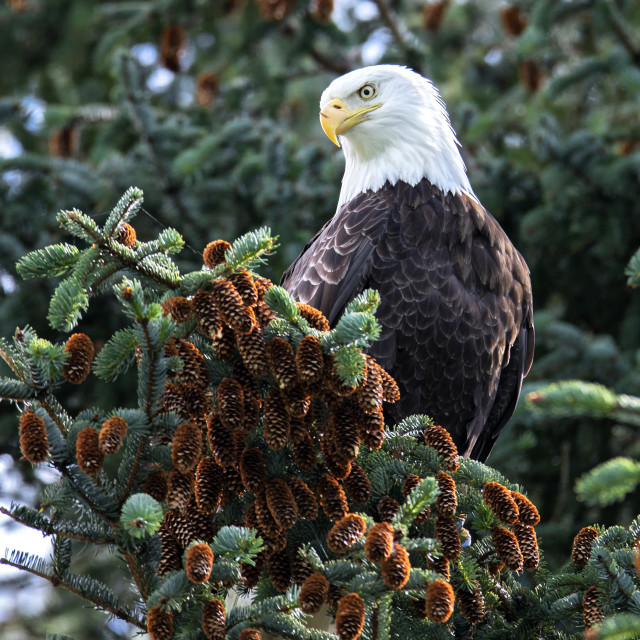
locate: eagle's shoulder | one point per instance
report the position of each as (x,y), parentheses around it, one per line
(333,265)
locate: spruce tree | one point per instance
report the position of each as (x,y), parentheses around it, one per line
(212,109)
(249,480)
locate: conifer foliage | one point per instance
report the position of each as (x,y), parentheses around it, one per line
(266,464)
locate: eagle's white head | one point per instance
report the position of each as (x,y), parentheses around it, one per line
(393,125)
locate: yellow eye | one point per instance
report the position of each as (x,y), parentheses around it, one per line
(367,92)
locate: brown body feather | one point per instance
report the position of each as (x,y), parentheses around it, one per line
(456,311)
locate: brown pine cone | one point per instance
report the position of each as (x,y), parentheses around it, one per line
(34,443)
(499,500)
(314,593)
(346,532)
(350,617)
(80,352)
(439,602)
(581,551)
(396,568)
(281,503)
(332,498)
(439,439)
(378,545)
(112,434)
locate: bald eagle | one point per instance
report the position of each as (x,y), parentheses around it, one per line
(456,306)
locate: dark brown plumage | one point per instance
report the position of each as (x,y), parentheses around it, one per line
(456,311)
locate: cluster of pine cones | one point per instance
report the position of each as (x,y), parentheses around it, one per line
(292,401)
(295,400)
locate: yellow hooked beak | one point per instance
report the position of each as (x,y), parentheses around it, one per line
(336,119)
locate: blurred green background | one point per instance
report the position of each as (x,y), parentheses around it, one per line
(210,106)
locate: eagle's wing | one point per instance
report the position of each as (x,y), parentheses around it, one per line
(333,267)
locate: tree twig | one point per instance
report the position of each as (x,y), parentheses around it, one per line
(389,19)
(52,531)
(623,35)
(56,581)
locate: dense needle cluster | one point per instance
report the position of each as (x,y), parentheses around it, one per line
(216,438)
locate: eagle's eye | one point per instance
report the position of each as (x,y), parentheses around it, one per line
(367,92)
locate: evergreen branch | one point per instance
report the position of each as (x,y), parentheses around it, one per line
(76,480)
(55,414)
(136,572)
(80,588)
(6,356)
(632,270)
(349,364)
(237,542)
(68,303)
(129,260)
(125,209)
(281,624)
(172,590)
(146,397)
(81,225)
(250,249)
(134,471)
(621,626)
(169,189)
(609,482)
(575,398)
(619,29)
(54,260)
(117,355)
(423,496)
(605,561)
(15,390)
(34,520)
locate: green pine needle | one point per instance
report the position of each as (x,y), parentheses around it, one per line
(237,542)
(350,364)
(282,303)
(366,302)
(172,591)
(633,270)
(117,355)
(251,249)
(359,328)
(54,260)
(622,626)
(572,398)
(609,482)
(80,225)
(127,207)
(423,496)
(68,303)
(141,515)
